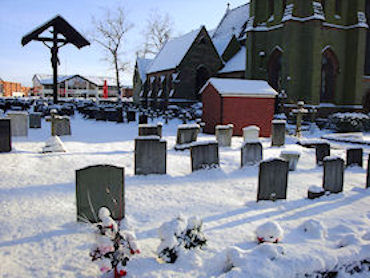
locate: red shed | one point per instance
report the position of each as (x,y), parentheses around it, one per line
(240,102)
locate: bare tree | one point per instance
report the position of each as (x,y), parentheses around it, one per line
(159,28)
(110,32)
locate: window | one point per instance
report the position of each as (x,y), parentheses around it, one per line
(338,7)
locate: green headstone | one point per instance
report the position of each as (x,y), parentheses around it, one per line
(98,186)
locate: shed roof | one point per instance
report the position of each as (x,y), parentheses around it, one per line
(241,87)
(173,52)
(62,27)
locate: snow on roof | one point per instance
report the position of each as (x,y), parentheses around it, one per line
(99,80)
(236,63)
(237,87)
(143,66)
(232,22)
(173,52)
(47,79)
(221,43)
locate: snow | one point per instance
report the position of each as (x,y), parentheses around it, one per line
(269,232)
(53,144)
(236,63)
(188,126)
(232,23)
(241,87)
(173,52)
(315,189)
(221,43)
(41,238)
(143,66)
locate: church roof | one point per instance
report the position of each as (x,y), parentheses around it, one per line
(232,23)
(143,66)
(172,53)
(236,63)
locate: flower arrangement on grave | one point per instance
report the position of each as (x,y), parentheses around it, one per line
(113,248)
(179,233)
(269,232)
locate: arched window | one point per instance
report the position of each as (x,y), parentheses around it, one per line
(202,76)
(329,72)
(274,69)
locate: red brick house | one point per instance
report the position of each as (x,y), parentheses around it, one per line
(240,102)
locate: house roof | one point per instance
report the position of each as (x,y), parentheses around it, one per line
(61,26)
(172,53)
(241,87)
(47,79)
(232,23)
(236,63)
(143,66)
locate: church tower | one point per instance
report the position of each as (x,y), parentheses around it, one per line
(309,50)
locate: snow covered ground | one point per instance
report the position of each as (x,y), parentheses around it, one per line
(39,235)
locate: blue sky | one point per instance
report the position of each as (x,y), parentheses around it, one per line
(18,17)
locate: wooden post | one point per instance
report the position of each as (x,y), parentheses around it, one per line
(54,64)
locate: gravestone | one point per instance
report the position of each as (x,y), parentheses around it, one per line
(100,186)
(251,133)
(251,153)
(322,150)
(19,123)
(61,126)
(150,129)
(272,179)
(143,119)
(111,114)
(35,120)
(333,174)
(150,155)
(315,192)
(131,116)
(354,157)
(224,134)
(204,155)
(368,173)
(5,135)
(278,133)
(186,134)
(292,157)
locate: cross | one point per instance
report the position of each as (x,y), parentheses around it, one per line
(299,111)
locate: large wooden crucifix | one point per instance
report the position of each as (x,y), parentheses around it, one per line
(59,27)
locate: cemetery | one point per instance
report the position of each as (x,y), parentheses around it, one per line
(183,202)
(210,165)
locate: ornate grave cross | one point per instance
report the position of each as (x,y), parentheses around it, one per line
(63,33)
(300,111)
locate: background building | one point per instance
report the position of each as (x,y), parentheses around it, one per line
(76,86)
(310,50)
(9,89)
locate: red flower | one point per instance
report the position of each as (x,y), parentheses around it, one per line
(132,251)
(137,251)
(260,239)
(122,273)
